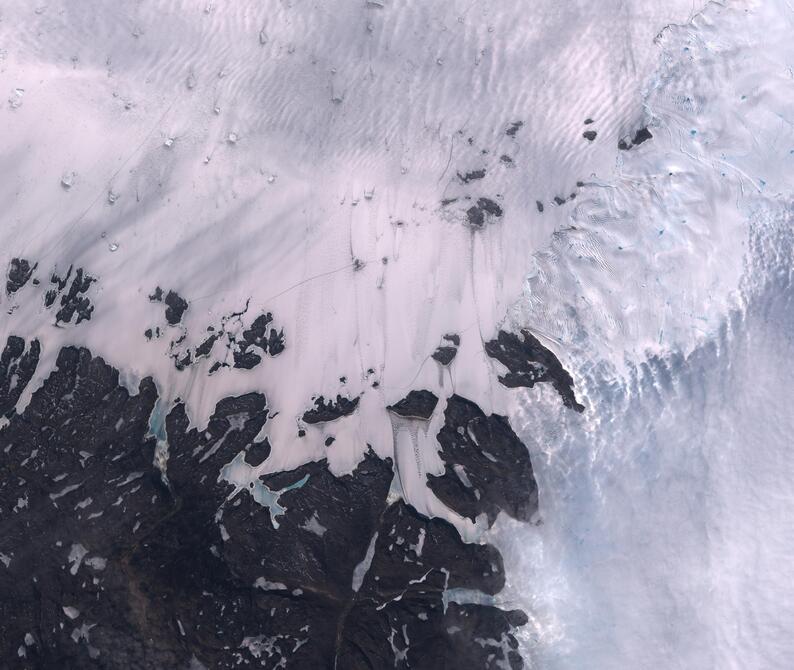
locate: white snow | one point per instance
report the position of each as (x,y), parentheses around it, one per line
(263,583)
(96,563)
(313,525)
(359,181)
(362,568)
(71,612)
(77,553)
(279,152)
(665,509)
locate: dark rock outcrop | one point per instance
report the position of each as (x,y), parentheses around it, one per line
(416,405)
(513,128)
(399,618)
(489,206)
(74,301)
(472,175)
(486,467)
(77,490)
(205,347)
(476,214)
(642,135)
(19,273)
(529,363)
(241,350)
(105,562)
(16,370)
(330,410)
(445,354)
(175,307)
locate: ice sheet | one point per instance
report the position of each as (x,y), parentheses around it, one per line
(262,151)
(664,512)
(295,155)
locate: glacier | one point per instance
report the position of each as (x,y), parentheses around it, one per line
(279,220)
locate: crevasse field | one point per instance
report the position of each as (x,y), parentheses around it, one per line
(666,536)
(320,161)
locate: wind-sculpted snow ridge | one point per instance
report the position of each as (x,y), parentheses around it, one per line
(111,561)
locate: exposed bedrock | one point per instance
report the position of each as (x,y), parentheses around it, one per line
(640,136)
(241,346)
(20,271)
(485,210)
(445,354)
(105,562)
(17,364)
(513,128)
(330,410)
(77,481)
(74,301)
(529,363)
(398,617)
(472,175)
(487,469)
(175,305)
(416,405)
(447,351)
